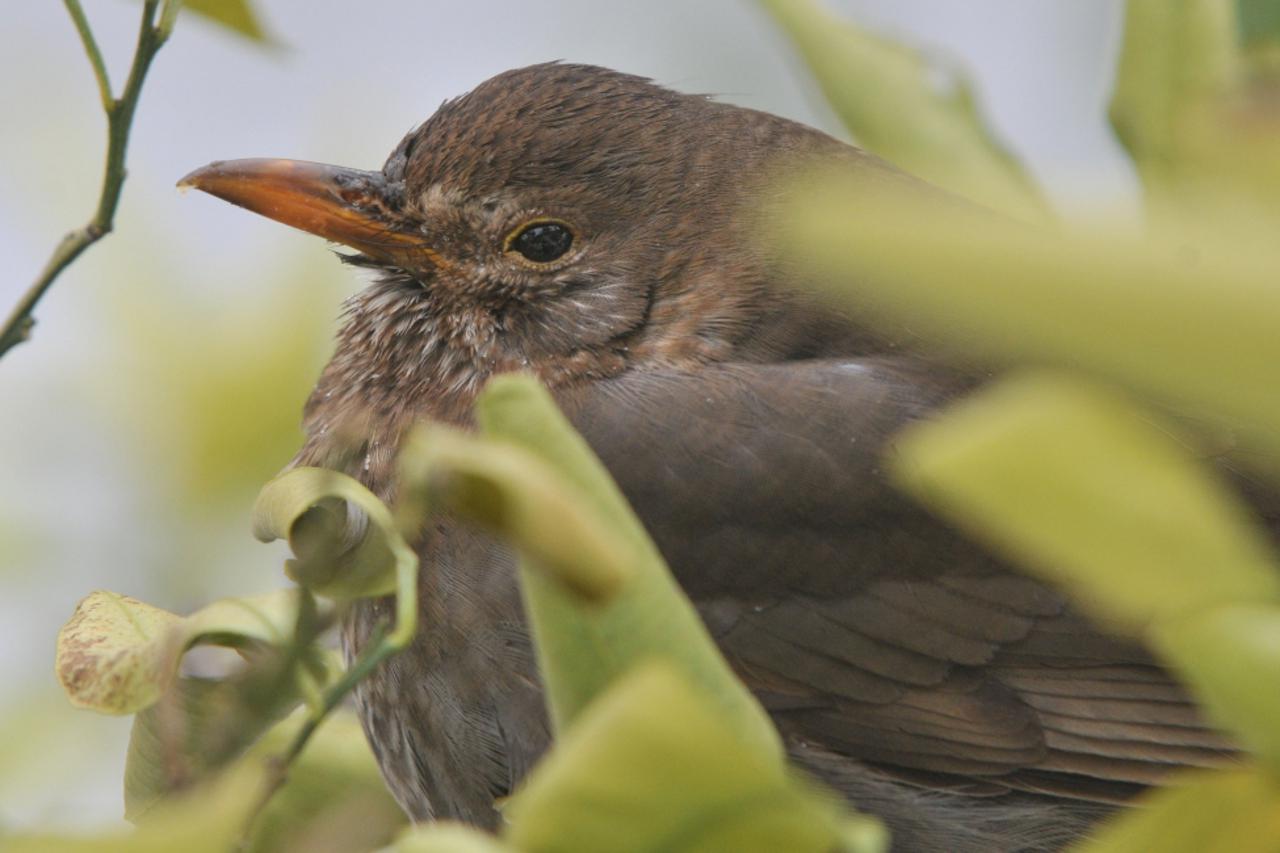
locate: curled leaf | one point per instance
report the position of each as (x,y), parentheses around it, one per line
(344,538)
(116,655)
(109,656)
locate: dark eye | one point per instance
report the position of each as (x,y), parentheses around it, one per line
(542,242)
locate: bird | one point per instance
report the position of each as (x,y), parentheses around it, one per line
(608,235)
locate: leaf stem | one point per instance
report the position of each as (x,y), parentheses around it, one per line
(381,645)
(119,111)
(91,50)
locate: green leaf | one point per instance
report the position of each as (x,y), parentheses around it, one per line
(200,725)
(445,837)
(650,766)
(342,552)
(1187,318)
(1259,21)
(347,546)
(895,103)
(1230,657)
(583,647)
(172,747)
(1084,489)
(511,491)
(207,820)
(1222,811)
(334,797)
(116,655)
(1176,61)
(110,653)
(237,16)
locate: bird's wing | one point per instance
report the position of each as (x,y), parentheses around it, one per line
(865,624)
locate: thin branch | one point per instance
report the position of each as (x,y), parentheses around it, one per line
(120,111)
(91,50)
(380,646)
(120,119)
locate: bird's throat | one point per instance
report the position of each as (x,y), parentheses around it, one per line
(403,357)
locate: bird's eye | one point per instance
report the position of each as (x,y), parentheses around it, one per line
(541,242)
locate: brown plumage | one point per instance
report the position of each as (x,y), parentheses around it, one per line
(965,703)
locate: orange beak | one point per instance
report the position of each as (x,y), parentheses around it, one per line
(346,206)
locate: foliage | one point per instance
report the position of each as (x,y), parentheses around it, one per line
(616,640)
(680,779)
(237,16)
(580,650)
(1087,489)
(1084,474)
(222,406)
(1081,472)
(909,107)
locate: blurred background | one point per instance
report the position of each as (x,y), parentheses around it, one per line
(164,382)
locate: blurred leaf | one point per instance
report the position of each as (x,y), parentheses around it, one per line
(1176,59)
(582,648)
(1221,811)
(446,837)
(1259,20)
(220,406)
(326,517)
(53,753)
(862,834)
(236,15)
(1193,324)
(199,725)
(1196,111)
(116,655)
(169,749)
(1230,657)
(208,820)
(513,492)
(334,799)
(1081,487)
(650,766)
(909,109)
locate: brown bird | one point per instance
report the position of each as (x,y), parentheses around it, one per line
(605,233)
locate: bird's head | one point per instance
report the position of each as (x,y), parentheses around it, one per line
(565,218)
